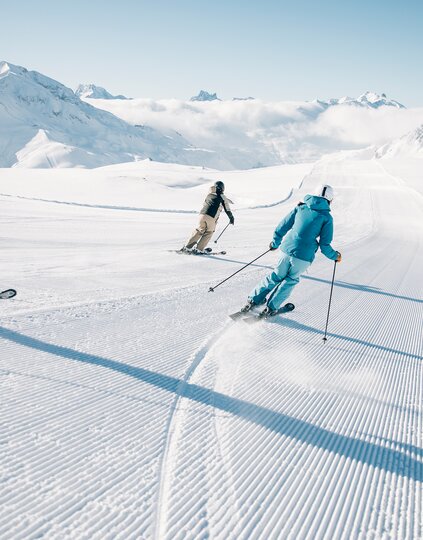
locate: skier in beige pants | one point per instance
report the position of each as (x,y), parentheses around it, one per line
(209,215)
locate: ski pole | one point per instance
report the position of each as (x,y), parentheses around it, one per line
(330,301)
(211,289)
(222,232)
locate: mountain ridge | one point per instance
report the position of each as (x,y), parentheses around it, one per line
(95,92)
(44,122)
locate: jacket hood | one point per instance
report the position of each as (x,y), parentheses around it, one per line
(320,204)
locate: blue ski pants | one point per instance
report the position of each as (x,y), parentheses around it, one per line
(281,281)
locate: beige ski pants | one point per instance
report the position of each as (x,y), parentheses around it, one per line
(203,233)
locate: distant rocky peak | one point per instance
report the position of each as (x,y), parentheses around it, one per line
(378,100)
(368,99)
(4,68)
(95,92)
(205,96)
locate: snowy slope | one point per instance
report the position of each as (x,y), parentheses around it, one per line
(410,145)
(44,124)
(133,408)
(145,185)
(407,171)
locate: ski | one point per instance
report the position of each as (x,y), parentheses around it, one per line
(238,314)
(213,253)
(180,252)
(262,316)
(8,293)
(248,313)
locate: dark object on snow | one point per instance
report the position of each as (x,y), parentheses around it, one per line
(8,293)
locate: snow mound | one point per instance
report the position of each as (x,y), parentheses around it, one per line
(410,145)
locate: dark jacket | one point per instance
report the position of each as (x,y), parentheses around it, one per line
(214,203)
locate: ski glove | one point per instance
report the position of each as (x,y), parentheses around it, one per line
(231,218)
(272,247)
(339,257)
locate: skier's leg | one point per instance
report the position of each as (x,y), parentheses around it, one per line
(208,233)
(197,233)
(271,280)
(292,278)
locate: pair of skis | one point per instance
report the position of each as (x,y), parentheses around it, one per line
(8,293)
(252,316)
(207,251)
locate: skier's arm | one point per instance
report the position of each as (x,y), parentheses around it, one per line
(227,209)
(326,237)
(283,228)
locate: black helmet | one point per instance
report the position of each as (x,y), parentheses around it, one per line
(220,186)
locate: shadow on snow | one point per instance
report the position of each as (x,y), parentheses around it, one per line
(400,462)
(363,288)
(342,284)
(291,323)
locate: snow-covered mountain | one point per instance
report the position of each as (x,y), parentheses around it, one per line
(205,96)
(368,99)
(95,92)
(44,124)
(410,145)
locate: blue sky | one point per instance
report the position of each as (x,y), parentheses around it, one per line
(274,50)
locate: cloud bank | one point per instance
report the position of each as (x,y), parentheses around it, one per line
(269,133)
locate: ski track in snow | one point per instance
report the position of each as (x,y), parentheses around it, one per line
(102,206)
(155,417)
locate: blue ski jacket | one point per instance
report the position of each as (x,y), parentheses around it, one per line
(305,229)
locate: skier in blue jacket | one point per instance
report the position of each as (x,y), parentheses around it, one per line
(299,235)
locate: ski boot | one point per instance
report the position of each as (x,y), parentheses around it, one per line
(250,305)
(267,312)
